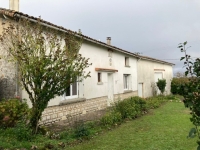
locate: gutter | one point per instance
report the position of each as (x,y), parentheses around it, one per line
(160,61)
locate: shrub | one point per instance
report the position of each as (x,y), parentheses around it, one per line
(81,130)
(111,118)
(23,132)
(161,84)
(11,111)
(131,108)
(126,109)
(154,102)
(178,85)
(64,135)
(140,102)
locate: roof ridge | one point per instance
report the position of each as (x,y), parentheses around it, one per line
(12,13)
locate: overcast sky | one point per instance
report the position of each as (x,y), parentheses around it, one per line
(151,27)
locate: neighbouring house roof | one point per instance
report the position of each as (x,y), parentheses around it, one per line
(16,14)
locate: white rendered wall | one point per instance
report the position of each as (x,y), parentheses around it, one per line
(99,58)
(146,70)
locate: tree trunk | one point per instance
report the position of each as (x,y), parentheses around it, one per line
(35,117)
(36,114)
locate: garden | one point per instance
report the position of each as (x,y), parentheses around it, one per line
(134,119)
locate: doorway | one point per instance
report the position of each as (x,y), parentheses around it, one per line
(140,89)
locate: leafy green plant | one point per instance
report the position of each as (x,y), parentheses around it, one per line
(161,85)
(154,102)
(12,111)
(191,92)
(64,135)
(126,109)
(23,132)
(111,118)
(131,107)
(107,119)
(178,84)
(81,130)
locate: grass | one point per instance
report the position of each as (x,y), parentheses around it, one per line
(165,128)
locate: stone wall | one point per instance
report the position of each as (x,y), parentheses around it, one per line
(7,76)
(125,95)
(7,71)
(7,79)
(70,113)
(7,88)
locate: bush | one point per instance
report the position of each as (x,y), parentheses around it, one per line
(23,132)
(178,85)
(131,108)
(81,130)
(12,111)
(111,118)
(64,135)
(161,84)
(140,102)
(154,102)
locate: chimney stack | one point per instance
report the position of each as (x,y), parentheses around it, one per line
(79,31)
(109,40)
(14,5)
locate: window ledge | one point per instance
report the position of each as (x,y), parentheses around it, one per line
(127,66)
(99,83)
(128,91)
(70,101)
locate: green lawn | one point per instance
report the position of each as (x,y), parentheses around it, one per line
(165,128)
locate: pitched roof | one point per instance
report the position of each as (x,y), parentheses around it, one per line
(16,14)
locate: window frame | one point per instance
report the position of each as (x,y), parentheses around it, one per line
(71,96)
(126,60)
(126,81)
(99,77)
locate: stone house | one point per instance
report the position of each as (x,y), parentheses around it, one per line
(115,74)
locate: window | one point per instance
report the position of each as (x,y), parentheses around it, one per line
(99,77)
(126,81)
(126,61)
(72,91)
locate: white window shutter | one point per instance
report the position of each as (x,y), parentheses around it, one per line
(130,82)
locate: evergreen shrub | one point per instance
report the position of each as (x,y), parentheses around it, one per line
(12,111)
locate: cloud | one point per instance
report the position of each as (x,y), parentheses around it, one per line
(153,27)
